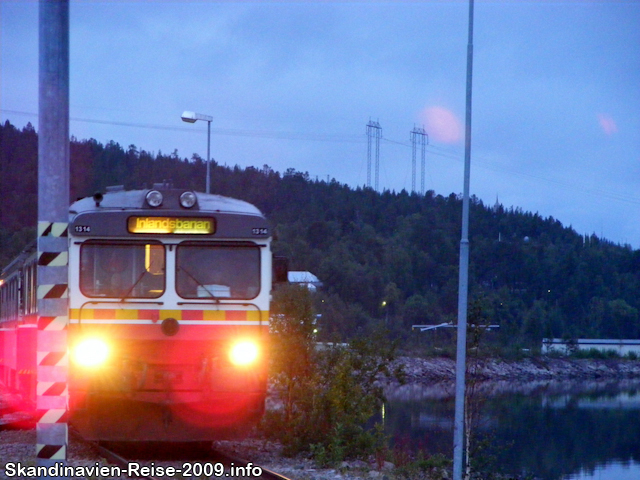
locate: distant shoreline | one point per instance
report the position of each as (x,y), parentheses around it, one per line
(421,370)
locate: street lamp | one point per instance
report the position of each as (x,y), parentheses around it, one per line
(192,117)
(463,277)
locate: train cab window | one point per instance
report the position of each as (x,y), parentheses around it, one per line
(218,271)
(122,270)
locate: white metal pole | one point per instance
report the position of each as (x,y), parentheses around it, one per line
(208,183)
(463,289)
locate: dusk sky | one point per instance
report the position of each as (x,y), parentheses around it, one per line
(556,92)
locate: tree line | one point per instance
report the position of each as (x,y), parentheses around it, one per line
(385,258)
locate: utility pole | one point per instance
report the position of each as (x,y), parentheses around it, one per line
(52,360)
(418,135)
(412,137)
(463,288)
(374,131)
(423,154)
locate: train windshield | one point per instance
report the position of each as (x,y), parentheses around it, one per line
(122,270)
(217,271)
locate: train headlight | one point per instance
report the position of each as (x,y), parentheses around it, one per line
(91,352)
(154,198)
(188,199)
(244,353)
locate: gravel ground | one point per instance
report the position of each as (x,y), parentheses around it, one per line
(19,446)
(268,455)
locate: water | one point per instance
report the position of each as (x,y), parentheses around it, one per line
(578,430)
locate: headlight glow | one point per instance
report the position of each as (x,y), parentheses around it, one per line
(91,352)
(244,353)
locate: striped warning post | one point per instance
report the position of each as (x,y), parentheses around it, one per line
(52,360)
(53,229)
(53,215)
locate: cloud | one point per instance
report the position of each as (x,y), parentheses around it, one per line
(607,124)
(441,124)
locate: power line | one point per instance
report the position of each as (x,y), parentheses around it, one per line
(344,138)
(318,137)
(481,162)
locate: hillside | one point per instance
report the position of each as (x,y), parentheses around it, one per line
(385,258)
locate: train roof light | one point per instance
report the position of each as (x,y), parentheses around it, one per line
(188,199)
(154,198)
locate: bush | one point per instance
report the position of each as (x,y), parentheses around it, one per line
(421,467)
(327,395)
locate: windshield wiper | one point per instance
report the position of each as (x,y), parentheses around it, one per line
(126,295)
(192,277)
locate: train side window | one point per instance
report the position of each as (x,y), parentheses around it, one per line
(205,270)
(122,270)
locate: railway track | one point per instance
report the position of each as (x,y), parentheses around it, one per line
(182,461)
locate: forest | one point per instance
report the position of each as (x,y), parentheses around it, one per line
(386,259)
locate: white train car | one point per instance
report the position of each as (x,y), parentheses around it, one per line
(168,316)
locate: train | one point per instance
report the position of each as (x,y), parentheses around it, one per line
(168,294)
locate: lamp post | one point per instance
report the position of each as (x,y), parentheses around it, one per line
(463,282)
(192,117)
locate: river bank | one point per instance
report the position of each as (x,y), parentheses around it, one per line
(439,369)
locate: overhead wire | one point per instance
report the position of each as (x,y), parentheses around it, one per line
(330,137)
(353,138)
(483,163)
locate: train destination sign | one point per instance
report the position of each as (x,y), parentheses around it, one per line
(172,225)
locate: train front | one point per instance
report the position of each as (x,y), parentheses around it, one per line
(169,296)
